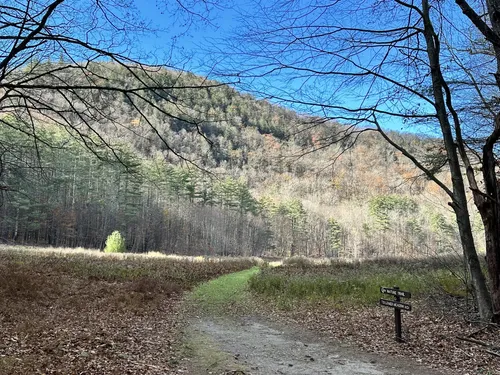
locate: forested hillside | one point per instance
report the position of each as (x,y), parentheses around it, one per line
(253,179)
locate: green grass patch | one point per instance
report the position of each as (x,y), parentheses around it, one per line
(348,284)
(225,292)
(450,282)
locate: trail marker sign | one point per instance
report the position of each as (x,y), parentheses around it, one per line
(397,305)
(395,292)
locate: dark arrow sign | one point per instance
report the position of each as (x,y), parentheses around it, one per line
(395,304)
(395,292)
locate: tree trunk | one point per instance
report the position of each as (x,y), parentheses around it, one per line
(490,212)
(489,207)
(492,236)
(483,298)
(16,226)
(488,203)
(459,198)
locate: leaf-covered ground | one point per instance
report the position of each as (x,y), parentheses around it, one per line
(72,313)
(431,337)
(341,303)
(63,313)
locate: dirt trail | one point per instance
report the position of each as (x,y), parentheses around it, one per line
(252,346)
(228,335)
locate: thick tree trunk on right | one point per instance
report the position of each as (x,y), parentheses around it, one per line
(478,280)
(488,202)
(490,210)
(459,197)
(489,207)
(492,237)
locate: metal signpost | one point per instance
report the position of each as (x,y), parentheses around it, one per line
(397,305)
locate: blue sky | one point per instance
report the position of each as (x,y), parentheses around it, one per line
(189,38)
(192,41)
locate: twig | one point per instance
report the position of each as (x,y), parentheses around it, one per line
(492,352)
(475,321)
(479,342)
(146,364)
(478,330)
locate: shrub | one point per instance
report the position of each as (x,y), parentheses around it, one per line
(115,243)
(298,261)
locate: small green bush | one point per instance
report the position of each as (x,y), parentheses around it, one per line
(115,243)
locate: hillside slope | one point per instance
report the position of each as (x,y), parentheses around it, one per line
(278,183)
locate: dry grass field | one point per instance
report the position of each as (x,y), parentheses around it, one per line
(85,312)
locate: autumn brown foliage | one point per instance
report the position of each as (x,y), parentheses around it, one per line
(63,313)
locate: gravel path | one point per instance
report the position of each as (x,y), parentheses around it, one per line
(251,346)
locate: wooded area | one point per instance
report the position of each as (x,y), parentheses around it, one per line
(246,196)
(102,141)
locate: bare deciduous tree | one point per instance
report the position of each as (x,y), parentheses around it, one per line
(64,62)
(428,65)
